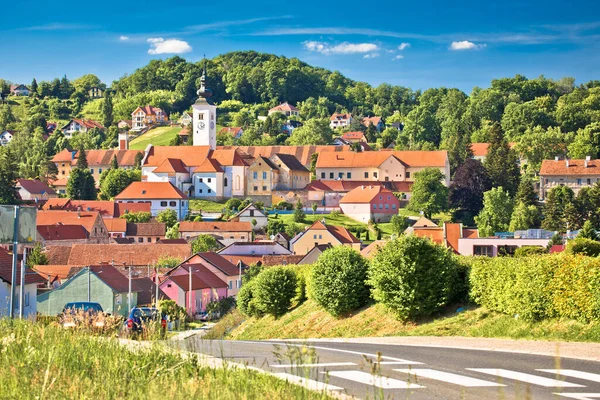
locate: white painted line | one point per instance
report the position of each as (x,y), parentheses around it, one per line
(405,362)
(307,383)
(580,396)
(333,364)
(447,377)
(527,378)
(574,374)
(373,380)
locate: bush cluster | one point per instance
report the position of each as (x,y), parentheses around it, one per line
(271,292)
(526,251)
(586,247)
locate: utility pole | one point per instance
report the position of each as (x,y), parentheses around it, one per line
(22,284)
(156,285)
(190,291)
(240,280)
(13,289)
(129,294)
(89,273)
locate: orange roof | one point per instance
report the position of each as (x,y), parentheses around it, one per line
(216,226)
(230,157)
(184,132)
(87,123)
(148,110)
(192,156)
(339,232)
(54,271)
(336,116)
(373,248)
(150,191)
(59,182)
(125,158)
(480,149)
(368,120)
(233,131)
(349,159)
(353,135)
(170,166)
(130,254)
(470,233)
(365,194)
(436,235)
(423,222)
(284,107)
(302,153)
(576,167)
(105,208)
(115,224)
(54,217)
(209,165)
(64,156)
(125,208)
(453,233)
(420,158)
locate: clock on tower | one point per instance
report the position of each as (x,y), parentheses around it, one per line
(205,133)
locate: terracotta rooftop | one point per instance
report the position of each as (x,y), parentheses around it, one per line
(130,254)
(353,135)
(115,224)
(200,280)
(125,208)
(411,158)
(230,157)
(284,107)
(55,271)
(436,235)
(575,167)
(290,161)
(291,259)
(170,166)
(368,120)
(220,262)
(125,158)
(87,123)
(208,165)
(302,153)
(233,131)
(336,116)
(6,270)
(58,255)
(62,232)
(105,208)
(373,248)
(35,186)
(342,234)
(216,226)
(192,156)
(151,191)
(366,194)
(85,219)
(148,110)
(146,229)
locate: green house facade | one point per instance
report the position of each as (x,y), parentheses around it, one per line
(108,286)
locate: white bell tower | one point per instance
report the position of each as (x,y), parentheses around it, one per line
(205,117)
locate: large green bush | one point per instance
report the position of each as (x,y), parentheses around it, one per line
(274,289)
(526,251)
(586,247)
(338,280)
(413,276)
(245,300)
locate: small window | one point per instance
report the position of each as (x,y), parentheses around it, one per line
(374,206)
(589,181)
(172,204)
(407,174)
(140,240)
(366,174)
(256,188)
(209,180)
(380,206)
(255,175)
(264,175)
(579,182)
(99,170)
(393,206)
(320,236)
(92,171)
(349,175)
(200,190)
(322,175)
(252,213)
(199,179)
(225,182)
(375,175)
(331,175)
(387,206)
(264,188)
(230,285)
(149,240)
(163,203)
(200,116)
(340,175)
(315,236)
(209,191)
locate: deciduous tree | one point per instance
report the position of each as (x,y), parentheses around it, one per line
(429,194)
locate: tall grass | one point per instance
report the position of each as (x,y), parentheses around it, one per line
(49,362)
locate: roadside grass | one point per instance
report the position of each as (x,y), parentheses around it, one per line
(51,363)
(160,136)
(207,205)
(310,321)
(222,328)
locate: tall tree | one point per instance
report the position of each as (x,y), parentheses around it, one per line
(81,185)
(34,87)
(429,194)
(82,159)
(501,162)
(107,109)
(523,217)
(114,164)
(496,213)
(554,210)
(526,193)
(8,177)
(471,181)
(588,232)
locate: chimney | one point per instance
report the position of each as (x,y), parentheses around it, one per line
(567,162)
(124,140)
(587,160)
(555,158)
(78,214)
(363,187)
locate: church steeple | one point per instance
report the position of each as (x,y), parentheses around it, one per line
(205,116)
(203,93)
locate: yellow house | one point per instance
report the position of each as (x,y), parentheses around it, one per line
(292,174)
(321,234)
(262,177)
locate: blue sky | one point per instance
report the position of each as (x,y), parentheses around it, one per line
(420,44)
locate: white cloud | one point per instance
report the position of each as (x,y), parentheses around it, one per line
(123,38)
(465,45)
(398,57)
(403,46)
(342,48)
(168,46)
(371,55)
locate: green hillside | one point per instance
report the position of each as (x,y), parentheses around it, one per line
(160,136)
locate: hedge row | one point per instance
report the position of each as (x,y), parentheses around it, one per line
(537,287)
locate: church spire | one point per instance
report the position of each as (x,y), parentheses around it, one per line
(203,93)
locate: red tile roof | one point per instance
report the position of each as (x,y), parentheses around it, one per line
(35,186)
(336,116)
(374,120)
(284,107)
(411,158)
(150,191)
(146,229)
(219,262)
(58,255)
(115,224)
(54,217)
(291,259)
(470,233)
(87,123)
(436,235)
(339,232)
(228,157)
(453,233)
(205,274)
(366,194)
(130,254)
(192,156)
(170,166)
(576,167)
(302,153)
(125,158)
(62,232)
(353,135)
(479,149)
(247,260)
(216,226)
(233,131)
(209,165)
(373,248)
(55,271)
(125,208)
(6,270)
(64,156)
(148,110)
(198,282)
(105,208)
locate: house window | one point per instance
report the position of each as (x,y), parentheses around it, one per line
(163,203)
(172,204)
(264,175)
(140,240)
(255,175)
(256,188)
(387,206)
(200,190)
(209,191)
(199,179)
(225,182)
(315,236)
(201,116)
(348,175)
(99,170)
(366,174)
(393,206)
(407,174)
(322,175)
(92,171)
(589,181)
(252,212)
(380,206)
(579,182)
(208,180)
(230,285)
(331,175)
(149,240)
(375,175)
(546,181)
(482,251)
(374,206)
(320,236)
(340,175)
(264,188)
(26,300)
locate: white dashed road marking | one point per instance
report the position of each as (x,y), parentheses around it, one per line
(307,383)
(447,377)
(333,364)
(373,380)
(527,378)
(574,374)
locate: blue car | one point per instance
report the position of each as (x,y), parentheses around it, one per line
(140,317)
(82,313)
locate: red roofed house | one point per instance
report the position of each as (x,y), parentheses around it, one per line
(19,90)
(340,120)
(575,174)
(61,235)
(354,137)
(328,193)
(236,131)
(376,121)
(218,265)
(160,195)
(33,189)
(366,203)
(170,170)
(117,227)
(98,161)
(147,115)
(286,109)
(319,233)
(92,222)
(32,280)
(225,232)
(80,125)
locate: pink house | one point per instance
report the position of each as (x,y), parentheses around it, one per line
(204,285)
(219,266)
(367,202)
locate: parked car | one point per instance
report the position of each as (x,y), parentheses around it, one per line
(83,314)
(142,317)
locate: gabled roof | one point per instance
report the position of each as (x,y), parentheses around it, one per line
(6,270)
(87,123)
(126,208)
(366,194)
(480,149)
(170,166)
(343,185)
(151,191)
(336,116)
(214,226)
(373,248)
(254,248)
(302,153)
(263,160)
(35,186)
(208,165)
(411,158)
(64,155)
(220,263)
(353,135)
(289,161)
(148,110)
(228,157)
(115,224)
(146,229)
(284,107)
(289,259)
(105,208)
(192,156)
(130,254)
(202,278)
(575,168)
(125,158)
(343,235)
(58,255)
(374,120)
(110,275)
(85,219)
(55,271)
(62,232)
(423,222)
(249,206)
(233,130)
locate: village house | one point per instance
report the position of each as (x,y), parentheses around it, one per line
(383,166)
(54,275)
(98,161)
(494,246)
(224,232)
(146,296)
(236,131)
(96,92)
(283,239)
(251,213)
(185,119)
(370,203)
(19,90)
(372,249)
(34,190)
(145,232)
(354,137)
(575,174)
(32,280)
(145,116)
(80,125)
(262,177)
(6,137)
(313,255)
(117,227)
(225,270)
(328,193)
(124,124)
(319,233)
(286,109)
(376,121)
(61,235)
(161,196)
(91,221)
(340,120)
(447,235)
(252,252)
(107,209)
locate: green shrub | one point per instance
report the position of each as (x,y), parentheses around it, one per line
(413,276)
(284,205)
(586,247)
(233,204)
(273,290)
(338,278)
(526,251)
(246,301)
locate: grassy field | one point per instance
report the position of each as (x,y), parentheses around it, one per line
(51,363)
(160,136)
(207,205)
(309,321)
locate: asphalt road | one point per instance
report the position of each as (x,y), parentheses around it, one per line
(411,372)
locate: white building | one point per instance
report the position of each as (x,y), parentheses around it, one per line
(6,137)
(161,195)
(32,280)
(205,117)
(251,213)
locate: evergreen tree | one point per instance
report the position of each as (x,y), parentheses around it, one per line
(501,161)
(588,232)
(8,178)
(556,239)
(299,214)
(554,210)
(114,164)
(107,109)
(81,185)
(37,256)
(371,133)
(137,161)
(523,217)
(525,192)
(34,87)
(82,159)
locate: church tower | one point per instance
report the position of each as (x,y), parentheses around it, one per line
(205,116)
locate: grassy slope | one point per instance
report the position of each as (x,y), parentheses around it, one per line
(49,362)
(160,136)
(207,205)
(309,321)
